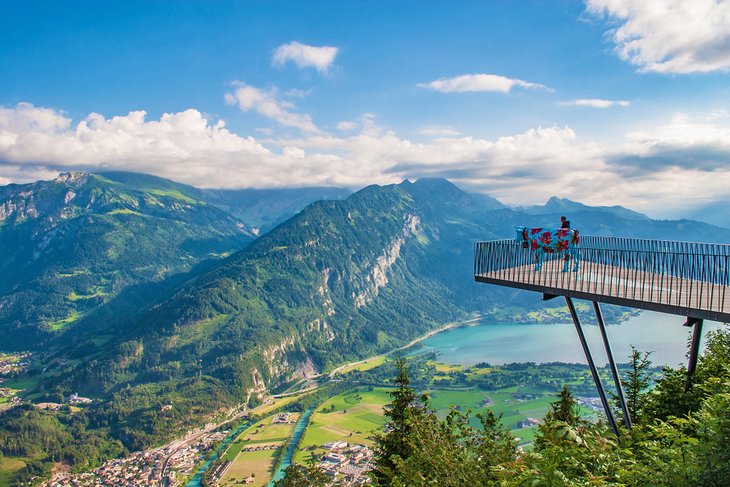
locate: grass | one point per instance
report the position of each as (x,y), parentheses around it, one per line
(73,273)
(95,293)
(445,369)
(22,382)
(363,418)
(57,325)
(124,211)
(269,433)
(196,332)
(259,463)
(10,468)
(442,400)
(275,404)
(368,364)
(173,193)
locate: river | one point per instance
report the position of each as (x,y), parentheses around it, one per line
(500,343)
(291,446)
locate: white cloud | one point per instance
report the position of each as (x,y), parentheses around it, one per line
(659,169)
(669,36)
(266,103)
(479,82)
(346,126)
(596,103)
(440,132)
(304,56)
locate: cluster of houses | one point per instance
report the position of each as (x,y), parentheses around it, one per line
(283,418)
(528,423)
(13,400)
(347,465)
(142,469)
(593,403)
(11,364)
(160,466)
(73,400)
(14,363)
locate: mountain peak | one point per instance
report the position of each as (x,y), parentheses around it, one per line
(74,178)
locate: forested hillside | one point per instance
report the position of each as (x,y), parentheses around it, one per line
(78,242)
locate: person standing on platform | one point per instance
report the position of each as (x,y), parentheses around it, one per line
(564,223)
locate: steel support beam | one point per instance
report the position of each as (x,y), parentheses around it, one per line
(612,363)
(592,366)
(694,349)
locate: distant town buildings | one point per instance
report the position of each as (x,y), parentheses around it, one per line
(593,403)
(347,465)
(155,467)
(282,418)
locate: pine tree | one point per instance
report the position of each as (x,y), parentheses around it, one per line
(400,413)
(635,382)
(564,409)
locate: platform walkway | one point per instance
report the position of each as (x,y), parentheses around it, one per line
(691,280)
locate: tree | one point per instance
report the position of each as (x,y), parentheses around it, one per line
(565,409)
(419,449)
(297,475)
(400,413)
(635,382)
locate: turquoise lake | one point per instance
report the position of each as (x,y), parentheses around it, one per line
(503,343)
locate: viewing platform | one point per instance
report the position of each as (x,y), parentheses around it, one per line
(681,278)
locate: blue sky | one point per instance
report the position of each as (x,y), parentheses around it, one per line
(606,102)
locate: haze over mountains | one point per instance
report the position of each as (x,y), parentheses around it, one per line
(126,282)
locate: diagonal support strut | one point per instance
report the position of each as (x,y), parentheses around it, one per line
(612,363)
(592,366)
(694,349)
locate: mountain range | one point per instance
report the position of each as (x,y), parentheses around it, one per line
(140,291)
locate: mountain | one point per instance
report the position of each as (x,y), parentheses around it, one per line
(717,213)
(564,206)
(80,241)
(266,208)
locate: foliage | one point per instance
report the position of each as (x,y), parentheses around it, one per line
(298,475)
(635,381)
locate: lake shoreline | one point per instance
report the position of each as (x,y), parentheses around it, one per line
(510,342)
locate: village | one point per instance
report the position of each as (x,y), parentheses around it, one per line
(13,363)
(347,465)
(164,466)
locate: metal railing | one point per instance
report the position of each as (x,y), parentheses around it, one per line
(686,275)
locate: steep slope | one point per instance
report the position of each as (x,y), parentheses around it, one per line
(74,243)
(341,280)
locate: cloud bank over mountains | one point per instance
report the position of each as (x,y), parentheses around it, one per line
(684,160)
(665,168)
